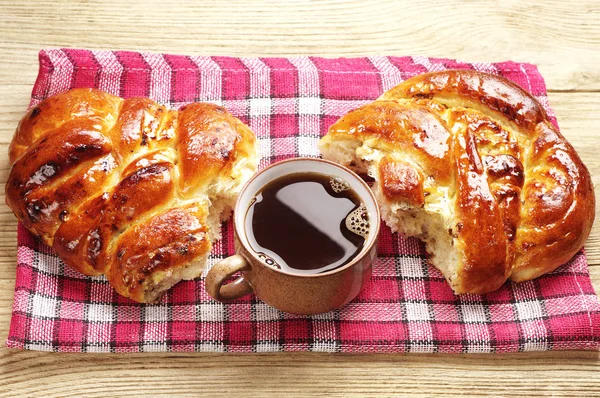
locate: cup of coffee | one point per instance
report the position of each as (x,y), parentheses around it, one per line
(305,236)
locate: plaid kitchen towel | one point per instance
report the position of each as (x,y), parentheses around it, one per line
(289,103)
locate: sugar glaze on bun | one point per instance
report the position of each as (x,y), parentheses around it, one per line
(127,187)
(469,163)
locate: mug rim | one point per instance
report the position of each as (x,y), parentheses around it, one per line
(364,251)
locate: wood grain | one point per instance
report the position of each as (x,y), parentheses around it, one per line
(563,39)
(303,373)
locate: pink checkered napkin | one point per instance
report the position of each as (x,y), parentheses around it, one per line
(289,103)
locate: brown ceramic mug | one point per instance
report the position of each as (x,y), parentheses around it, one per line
(289,292)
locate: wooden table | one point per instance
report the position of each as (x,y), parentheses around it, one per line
(562,38)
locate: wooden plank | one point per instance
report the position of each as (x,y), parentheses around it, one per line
(308,374)
(563,39)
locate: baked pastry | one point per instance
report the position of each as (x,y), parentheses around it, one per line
(127,187)
(470,164)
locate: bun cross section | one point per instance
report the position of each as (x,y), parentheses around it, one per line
(469,163)
(127,187)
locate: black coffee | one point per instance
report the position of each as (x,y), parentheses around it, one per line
(303,223)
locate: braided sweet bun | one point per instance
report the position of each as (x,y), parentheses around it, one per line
(127,187)
(470,164)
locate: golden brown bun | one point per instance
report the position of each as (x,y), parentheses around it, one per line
(127,187)
(469,163)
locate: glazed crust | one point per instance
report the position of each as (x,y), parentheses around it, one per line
(522,200)
(124,187)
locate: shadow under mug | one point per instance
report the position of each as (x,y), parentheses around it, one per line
(286,291)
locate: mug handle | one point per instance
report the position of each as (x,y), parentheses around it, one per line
(219,273)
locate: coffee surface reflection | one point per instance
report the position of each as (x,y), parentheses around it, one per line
(306,223)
